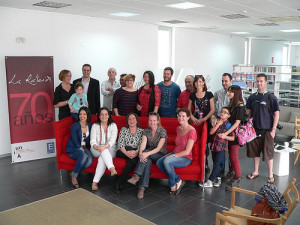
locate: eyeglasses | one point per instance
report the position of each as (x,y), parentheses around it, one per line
(153,114)
(81,101)
(224,112)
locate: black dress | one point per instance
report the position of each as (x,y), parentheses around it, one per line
(60,95)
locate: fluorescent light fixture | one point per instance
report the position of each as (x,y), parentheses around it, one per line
(123,14)
(293,30)
(185,5)
(241,32)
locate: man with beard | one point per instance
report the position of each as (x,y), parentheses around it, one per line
(169,95)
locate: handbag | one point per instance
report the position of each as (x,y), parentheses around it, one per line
(263,210)
(245,132)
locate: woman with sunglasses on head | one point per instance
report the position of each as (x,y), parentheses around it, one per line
(129,141)
(238,112)
(153,147)
(103,144)
(204,107)
(182,155)
(149,95)
(78,144)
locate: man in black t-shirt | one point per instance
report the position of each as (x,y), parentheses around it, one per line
(263,107)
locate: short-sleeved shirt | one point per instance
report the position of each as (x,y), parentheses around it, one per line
(60,95)
(144,98)
(125,101)
(152,142)
(169,96)
(182,140)
(262,106)
(201,105)
(127,139)
(238,113)
(183,100)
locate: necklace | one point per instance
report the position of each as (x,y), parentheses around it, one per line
(105,142)
(83,126)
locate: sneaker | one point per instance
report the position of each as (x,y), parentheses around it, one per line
(134,179)
(208,183)
(217,182)
(228,176)
(236,182)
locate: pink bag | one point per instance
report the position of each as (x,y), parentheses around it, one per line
(245,133)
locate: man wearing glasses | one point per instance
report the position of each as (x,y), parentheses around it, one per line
(91,88)
(263,107)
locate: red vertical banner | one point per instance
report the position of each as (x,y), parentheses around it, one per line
(30,88)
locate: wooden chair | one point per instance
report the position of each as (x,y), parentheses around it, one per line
(239,216)
(297,127)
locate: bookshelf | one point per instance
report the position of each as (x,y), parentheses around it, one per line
(283,81)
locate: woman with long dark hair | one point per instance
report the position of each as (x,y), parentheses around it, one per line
(204,107)
(78,144)
(103,144)
(237,111)
(149,95)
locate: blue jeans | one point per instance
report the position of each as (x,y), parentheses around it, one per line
(75,116)
(83,157)
(222,165)
(143,168)
(167,165)
(217,159)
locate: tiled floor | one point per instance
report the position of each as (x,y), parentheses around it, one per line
(27,182)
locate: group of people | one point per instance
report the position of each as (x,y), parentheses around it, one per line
(223,112)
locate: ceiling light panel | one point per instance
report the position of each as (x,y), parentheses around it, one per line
(185,5)
(56,5)
(267,24)
(290,31)
(123,14)
(174,21)
(240,32)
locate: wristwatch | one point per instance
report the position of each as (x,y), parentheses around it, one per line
(273,128)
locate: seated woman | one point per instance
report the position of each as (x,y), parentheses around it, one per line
(130,139)
(78,143)
(153,147)
(182,154)
(103,144)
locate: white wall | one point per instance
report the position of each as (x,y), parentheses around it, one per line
(295,55)
(262,52)
(74,40)
(207,53)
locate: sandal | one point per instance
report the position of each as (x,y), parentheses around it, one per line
(76,186)
(271,180)
(252,176)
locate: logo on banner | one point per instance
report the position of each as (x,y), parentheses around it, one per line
(50,148)
(19,150)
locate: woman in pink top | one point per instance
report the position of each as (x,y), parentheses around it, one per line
(182,154)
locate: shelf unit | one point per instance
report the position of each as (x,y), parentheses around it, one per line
(283,81)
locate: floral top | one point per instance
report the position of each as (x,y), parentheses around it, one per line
(144,98)
(127,139)
(152,142)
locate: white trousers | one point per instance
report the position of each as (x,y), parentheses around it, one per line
(105,160)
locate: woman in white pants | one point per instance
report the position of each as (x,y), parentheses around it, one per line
(103,144)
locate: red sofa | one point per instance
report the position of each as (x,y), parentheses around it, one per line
(195,171)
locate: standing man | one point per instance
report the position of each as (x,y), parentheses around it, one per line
(169,95)
(222,100)
(263,107)
(109,87)
(91,88)
(183,100)
(122,81)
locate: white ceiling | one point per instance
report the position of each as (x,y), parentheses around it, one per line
(204,18)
